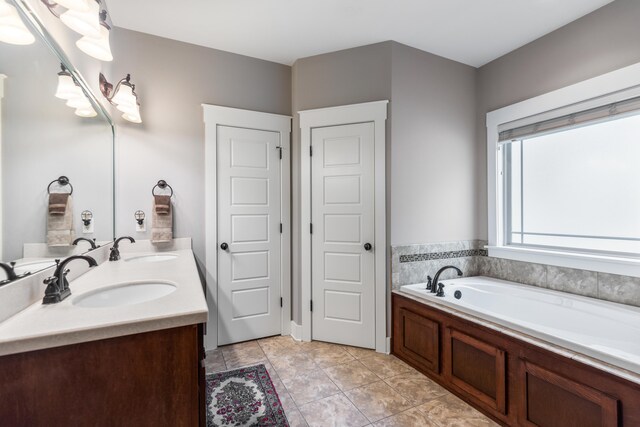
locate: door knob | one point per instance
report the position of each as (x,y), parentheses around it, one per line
(367,246)
(224,246)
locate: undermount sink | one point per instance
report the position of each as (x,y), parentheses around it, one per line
(125,294)
(152,258)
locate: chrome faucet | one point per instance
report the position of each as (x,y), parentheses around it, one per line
(439,286)
(84,239)
(58,285)
(115,250)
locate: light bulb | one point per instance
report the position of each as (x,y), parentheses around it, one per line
(12,29)
(98,48)
(86,23)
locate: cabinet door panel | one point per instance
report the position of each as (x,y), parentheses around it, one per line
(417,339)
(551,400)
(477,368)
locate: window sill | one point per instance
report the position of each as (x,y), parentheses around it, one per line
(593,262)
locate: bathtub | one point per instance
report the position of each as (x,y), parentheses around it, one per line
(604,330)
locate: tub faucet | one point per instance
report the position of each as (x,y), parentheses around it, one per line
(58,285)
(115,250)
(84,239)
(436,278)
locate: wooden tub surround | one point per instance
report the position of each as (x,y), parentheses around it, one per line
(514,382)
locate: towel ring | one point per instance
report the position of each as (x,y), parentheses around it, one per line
(161,184)
(62,181)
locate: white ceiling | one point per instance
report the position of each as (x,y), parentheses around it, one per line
(473,32)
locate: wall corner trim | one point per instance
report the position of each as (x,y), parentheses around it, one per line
(296,331)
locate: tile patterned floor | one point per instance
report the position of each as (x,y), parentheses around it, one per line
(326,385)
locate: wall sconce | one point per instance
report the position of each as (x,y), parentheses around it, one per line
(84,17)
(12,29)
(123,96)
(69,90)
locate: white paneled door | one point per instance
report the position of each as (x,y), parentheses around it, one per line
(343,229)
(249,265)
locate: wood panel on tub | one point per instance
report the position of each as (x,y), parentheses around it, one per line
(514,382)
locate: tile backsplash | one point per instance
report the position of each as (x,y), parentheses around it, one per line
(413,263)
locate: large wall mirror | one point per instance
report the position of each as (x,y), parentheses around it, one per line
(56,158)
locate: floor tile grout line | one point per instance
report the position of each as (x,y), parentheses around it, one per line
(359,410)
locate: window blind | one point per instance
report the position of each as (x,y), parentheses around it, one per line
(508,133)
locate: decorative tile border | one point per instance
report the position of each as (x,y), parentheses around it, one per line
(442,255)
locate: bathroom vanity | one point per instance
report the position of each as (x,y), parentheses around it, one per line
(514,378)
(124,349)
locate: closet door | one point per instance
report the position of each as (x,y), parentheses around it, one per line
(343,246)
(248,234)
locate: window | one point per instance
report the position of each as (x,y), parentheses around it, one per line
(564,176)
(577,188)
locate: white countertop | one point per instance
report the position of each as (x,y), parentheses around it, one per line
(44,326)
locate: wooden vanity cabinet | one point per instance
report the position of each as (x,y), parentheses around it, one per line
(516,383)
(148,379)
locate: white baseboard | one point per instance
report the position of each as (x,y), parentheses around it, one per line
(296,331)
(388,345)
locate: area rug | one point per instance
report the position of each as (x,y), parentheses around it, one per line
(243,397)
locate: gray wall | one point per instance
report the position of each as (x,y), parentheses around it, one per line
(431,117)
(172,80)
(351,76)
(433,148)
(602,41)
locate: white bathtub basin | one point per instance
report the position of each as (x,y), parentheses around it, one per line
(604,330)
(151,258)
(125,294)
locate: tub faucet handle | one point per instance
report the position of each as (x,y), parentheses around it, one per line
(429,283)
(440,292)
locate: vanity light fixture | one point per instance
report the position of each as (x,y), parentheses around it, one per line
(12,29)
(68,90)
(98,47)
(85,22)
(123,96)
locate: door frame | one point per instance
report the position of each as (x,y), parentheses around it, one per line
(369,112)
(214,116)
